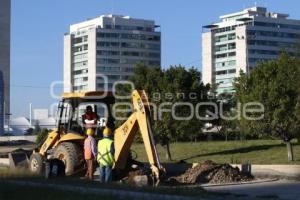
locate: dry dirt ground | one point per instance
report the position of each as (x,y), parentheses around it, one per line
(210,172)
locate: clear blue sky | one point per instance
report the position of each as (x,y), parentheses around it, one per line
(38,27)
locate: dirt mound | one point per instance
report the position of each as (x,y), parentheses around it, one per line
(133,174)
(211,172)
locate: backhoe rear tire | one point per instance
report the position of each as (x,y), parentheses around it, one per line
(36,163)
(72,156)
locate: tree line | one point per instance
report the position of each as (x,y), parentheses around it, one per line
(275,84)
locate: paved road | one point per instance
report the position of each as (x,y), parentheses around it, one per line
(7,149)
(282,189)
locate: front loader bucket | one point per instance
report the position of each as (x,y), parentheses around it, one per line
(19,158)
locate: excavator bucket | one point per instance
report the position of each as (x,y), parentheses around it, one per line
(19,158)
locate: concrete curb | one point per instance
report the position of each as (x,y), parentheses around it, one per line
(284,171)
(240,183)
(30,138)
(109,192)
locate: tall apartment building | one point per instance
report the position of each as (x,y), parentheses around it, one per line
(109,46)
(243,39)
(5,48)
(4,60)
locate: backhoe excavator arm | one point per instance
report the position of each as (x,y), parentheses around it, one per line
(124,135)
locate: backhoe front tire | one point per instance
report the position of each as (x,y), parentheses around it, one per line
(36,163)
(71,155)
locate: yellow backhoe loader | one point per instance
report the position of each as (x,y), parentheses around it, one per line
(65,142)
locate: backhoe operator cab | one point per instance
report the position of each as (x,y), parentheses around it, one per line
(77,112)
(66,141)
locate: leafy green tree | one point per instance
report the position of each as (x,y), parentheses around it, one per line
(275,84)
(225,102)
(297,49)
(175,84)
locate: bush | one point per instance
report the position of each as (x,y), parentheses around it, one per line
(29,131)
(41,136)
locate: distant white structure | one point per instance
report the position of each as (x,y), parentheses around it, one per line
(18,126)
(48,123)
(39,114)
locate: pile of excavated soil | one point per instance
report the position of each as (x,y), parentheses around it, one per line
(211,172)
(132,174)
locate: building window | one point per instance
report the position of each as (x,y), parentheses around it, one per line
(107,53)
(80,88)
(125,77)
(220,64)
(78,72)
(231,45)
(108,61)
(77,40)
(140,45)
(107,69)
(223,72)
(127,69)
(108,35)
(273,34)
(79,81)
(277,25)
(221,48)
(231,71)
(231,36)
(153,62)
(131,45)
(80,56)
(130,53)
(113,77)
(271,43)
(225,64)
(108,44)
(231,62)
(223,55)
(231,54)
(80,64)
(101,85)
(151,55)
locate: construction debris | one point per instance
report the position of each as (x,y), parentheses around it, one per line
(210,172)
(138,177)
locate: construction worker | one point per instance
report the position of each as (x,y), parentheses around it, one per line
(105,157)
(90,153)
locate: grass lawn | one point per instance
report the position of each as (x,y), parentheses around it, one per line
(252,151)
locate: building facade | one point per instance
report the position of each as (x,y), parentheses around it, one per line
(100,51)
(5,6)
(39,114)
(243,39)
